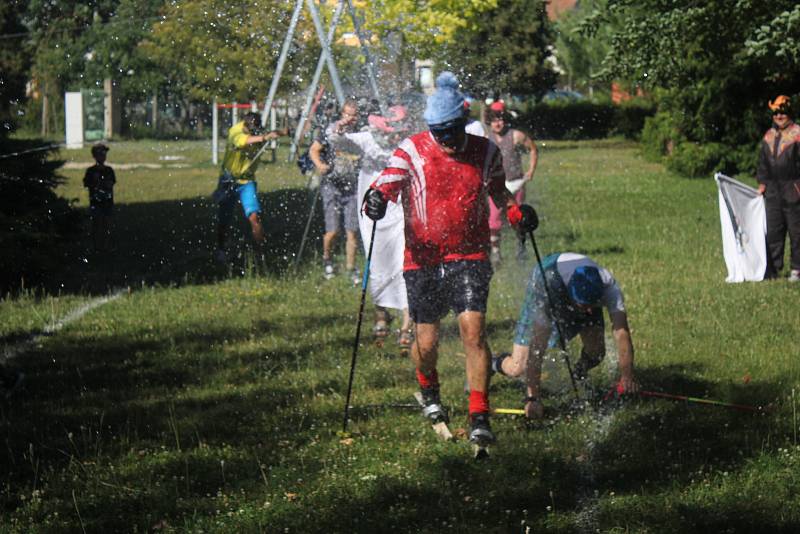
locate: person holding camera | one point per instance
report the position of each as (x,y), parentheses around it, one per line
(339,170)
(237,183)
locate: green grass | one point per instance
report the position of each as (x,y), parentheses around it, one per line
(211,399)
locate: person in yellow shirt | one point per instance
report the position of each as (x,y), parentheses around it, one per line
(237,183)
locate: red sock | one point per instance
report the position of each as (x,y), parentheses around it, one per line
(478,402)
(430,381)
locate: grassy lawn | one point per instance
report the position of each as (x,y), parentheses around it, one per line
(209,399)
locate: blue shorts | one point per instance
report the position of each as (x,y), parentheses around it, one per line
(459,286)
(571,321)
(246,194)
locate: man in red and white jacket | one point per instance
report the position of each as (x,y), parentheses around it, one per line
(443,177)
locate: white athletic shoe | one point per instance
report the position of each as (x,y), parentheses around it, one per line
(794,276)
(329,271)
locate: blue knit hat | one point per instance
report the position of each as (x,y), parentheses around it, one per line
(447,103)
(585,287)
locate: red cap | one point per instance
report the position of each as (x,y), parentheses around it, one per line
(498,106)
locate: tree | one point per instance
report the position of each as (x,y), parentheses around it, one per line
(581,46)
(229,49)
(113,48)
(33,219)
(714,64)
(78,44)
(425,26)
(13,65)
(505,49)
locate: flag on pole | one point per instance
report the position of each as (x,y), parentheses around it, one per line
(744,227)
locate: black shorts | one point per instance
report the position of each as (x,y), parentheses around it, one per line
(104,209)
(459,286)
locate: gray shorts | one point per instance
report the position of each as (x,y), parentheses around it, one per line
(338,205)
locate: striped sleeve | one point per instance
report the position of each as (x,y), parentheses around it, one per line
(391,180)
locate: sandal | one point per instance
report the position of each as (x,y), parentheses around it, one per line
(379,333)
(404,340)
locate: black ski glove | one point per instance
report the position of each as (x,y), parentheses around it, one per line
(529,221)
(374,204)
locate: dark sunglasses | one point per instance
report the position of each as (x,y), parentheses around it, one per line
(447,132)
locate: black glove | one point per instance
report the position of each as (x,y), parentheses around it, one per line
(374,204)
(529,221)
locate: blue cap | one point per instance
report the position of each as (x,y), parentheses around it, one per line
(586,287)
(446,103)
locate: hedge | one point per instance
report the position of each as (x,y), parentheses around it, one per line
(573,120)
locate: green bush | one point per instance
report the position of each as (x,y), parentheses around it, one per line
(574,120)
(743,159)
(34,222)
(659,136)
(697,161)
(630,117)
(662,141)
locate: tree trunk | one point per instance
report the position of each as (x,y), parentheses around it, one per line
(154,122)
(45,105)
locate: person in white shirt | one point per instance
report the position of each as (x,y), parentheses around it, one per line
(387,286)
(579,289)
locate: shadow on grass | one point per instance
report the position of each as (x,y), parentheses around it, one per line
(87,402)
(133,381)
(664,441)
(651,448)
(173,242)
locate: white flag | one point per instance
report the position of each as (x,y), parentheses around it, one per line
(744,227)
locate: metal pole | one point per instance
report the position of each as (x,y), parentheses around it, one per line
(367,57)
(308,226)
(326,51)
(215,133)
(276,77)
(658,394)
(555,320)
(273,125)
(314,83)
(358,328)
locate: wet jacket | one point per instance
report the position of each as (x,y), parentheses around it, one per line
(779,163)
(444,198)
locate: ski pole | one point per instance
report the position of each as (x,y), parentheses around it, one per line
(358,328)
(697,400)
(660,395)
(555,321)
(509,411)
(308,225)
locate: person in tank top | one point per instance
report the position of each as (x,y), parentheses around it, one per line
(512,143)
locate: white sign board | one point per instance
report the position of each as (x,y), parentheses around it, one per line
(73,113)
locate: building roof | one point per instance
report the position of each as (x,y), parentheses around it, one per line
(556,8)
